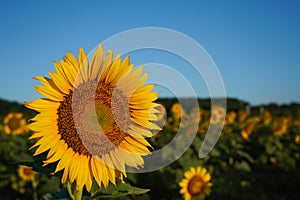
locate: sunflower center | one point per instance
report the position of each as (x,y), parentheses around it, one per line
(28,172)
(101,120)
(91,123)
(14,123)
(195,186)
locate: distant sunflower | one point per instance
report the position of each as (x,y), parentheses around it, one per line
(15,124)
(230,117)
(177,110)
(218,114)
(249,127)
(242,115)
(280,126)
(196,184)
(267,118)
(26,173)
(81,97)
(297,139)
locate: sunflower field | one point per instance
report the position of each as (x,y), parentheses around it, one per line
(257,156)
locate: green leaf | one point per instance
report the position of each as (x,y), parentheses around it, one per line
(61,194)
(243,165)
(120,190)
(245,155)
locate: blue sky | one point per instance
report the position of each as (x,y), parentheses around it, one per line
(255,44)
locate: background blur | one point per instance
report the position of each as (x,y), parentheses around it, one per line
(255,44)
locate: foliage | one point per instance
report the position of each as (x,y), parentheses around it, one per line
(256,157)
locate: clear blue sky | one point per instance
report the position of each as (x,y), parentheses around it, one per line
(255,44)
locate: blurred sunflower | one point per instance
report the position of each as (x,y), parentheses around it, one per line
(26,173)
(280,126)
(161,116)
(195,114)
(230,117)
(249,127)
(191,122)
(177,111)
(94,118)
(246,132)
(196,184)
(297,139)
(218,114)
(267,118)
(242,115)
(14,123)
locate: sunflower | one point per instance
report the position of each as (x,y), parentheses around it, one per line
(14,123)
(196,184)
(26,173)
(297,139)
(267,117)
(280,126)
(218,114)
(249,127)
(177,110)
(242,115)
(230,117)
(94,118)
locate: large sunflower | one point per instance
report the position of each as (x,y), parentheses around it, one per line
(196,184)
(94,118)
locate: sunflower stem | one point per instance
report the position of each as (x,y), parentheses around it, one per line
(34,186)
(77,194)
(69,190)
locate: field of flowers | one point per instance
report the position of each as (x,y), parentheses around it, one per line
(256,157)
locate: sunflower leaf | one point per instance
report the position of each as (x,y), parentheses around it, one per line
(61,194)
(120,190)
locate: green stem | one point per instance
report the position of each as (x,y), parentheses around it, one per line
(77,194)
(69,190)
(34,186)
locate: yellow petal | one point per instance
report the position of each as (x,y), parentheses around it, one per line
(49,93)
(46,146)
(130,90)
(138,143)
(125,68)
(138,130)
(130,78)
(113,70)
(61,71)
(55,153)
(110,169)
(83,63)
(70,71)
(89,175)
(72,60)
(96,62)
(118,162)
(105,64)
(144,89)
(42,104)
(82,172)
(49,115)
(60,82)
(65,159)
(151,96)
(74,167)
